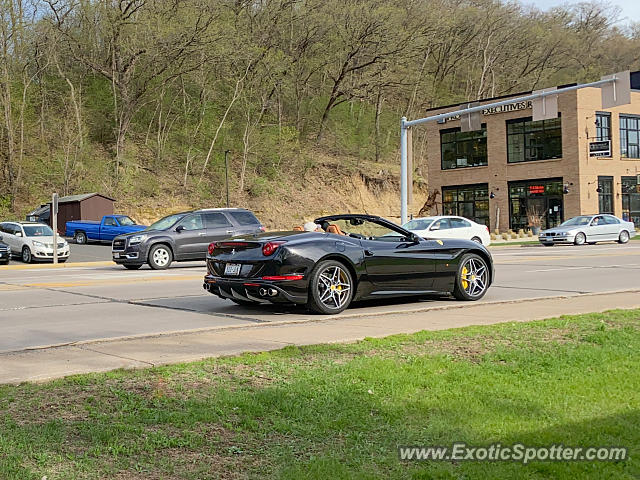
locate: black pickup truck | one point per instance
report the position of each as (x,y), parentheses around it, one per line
(182,237)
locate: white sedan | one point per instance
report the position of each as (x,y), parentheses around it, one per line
(449,227)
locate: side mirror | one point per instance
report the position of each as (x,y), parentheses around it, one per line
(18,234)
(435,227)
(415,238)
(179,228)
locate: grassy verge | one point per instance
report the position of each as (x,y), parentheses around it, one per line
(340,411)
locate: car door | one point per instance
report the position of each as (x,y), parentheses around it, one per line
(218,227)
(612,225)
(400,265)
(440,229)
(10,237)
(7,235)
(109,229)
(597,229)
(460,228)
(191,238)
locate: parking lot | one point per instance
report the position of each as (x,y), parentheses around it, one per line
(56,306)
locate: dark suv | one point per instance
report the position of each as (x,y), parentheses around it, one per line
(182,237)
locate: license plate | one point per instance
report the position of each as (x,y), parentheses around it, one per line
(232,269)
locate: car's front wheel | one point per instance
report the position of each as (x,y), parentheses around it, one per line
(624,237)
(26,255)
(160,257)
(472,278)
(330,287)
(580,239)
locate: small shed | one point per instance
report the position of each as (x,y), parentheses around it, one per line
(90,206)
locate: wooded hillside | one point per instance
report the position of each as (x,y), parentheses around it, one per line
(140,98)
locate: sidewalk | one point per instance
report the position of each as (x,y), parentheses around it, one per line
(49,363)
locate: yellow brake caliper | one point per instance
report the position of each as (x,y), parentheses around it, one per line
(465,272)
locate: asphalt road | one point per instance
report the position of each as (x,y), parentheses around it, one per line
(55,306)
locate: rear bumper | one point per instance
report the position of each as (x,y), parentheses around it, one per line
(257,290)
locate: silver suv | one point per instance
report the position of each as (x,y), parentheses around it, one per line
(32,241)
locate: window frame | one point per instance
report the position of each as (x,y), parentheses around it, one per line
(457,130)
(624,135)
(600,129)
(528,127)
(455,204)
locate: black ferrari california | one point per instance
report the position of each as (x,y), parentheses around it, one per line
(350,257)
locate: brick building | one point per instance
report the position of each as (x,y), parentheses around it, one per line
(514,165)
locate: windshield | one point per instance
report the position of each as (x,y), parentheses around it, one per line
(126,221)
(166,222)
(418,224)
(363,229)
(37,231)
(581,220)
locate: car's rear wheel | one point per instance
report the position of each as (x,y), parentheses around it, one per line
(132,267)
(580,239)
(477,240)
(26,255)
(330,287)
(160,257)
(80,238)
(472,278)
(624,237)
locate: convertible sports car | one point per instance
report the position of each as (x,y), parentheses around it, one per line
(363,257)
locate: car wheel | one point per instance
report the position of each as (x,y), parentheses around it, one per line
(132,267)
(80,238)
(160,257)
(330,287)
(472,278)
(624,237)
(26,255)
(580,239)
(477,240)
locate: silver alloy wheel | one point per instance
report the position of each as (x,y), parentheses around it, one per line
(26,255)
(580,239)
(81,238)
(477,240)
(474,277)
(161,257)
(333,287)
(624,236)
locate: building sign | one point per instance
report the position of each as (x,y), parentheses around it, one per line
(536,189)
(600,149)
(509,107)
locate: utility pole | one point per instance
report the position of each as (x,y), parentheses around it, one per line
(226,173)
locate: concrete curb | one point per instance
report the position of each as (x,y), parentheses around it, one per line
(313,319)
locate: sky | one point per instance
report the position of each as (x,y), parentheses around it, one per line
(630,8)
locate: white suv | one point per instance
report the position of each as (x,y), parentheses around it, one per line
(32,241)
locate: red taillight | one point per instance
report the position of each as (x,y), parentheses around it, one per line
(487,228)
(284,277)
(212,247)
(270,247)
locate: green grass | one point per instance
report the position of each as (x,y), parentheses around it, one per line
(339,411)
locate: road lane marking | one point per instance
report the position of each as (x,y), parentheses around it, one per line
(89,283)
(560,269)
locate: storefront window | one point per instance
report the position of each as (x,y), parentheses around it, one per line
(463,149)
(528,140)
(603,126)
(605,195)
(541,196)
(469,201)
(629,136)
(631,200)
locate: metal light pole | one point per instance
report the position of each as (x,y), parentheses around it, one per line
(53,212)
(226,173)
